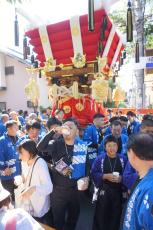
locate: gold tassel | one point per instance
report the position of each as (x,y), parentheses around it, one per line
(129,23)
(137,57)
(91,15)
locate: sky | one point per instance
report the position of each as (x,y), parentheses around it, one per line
(52,11)
(40,12)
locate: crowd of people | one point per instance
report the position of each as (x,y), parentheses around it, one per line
(46,162)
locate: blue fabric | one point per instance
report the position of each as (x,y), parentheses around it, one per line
(129,176)
(44,117)
(22,120)
(97,168)
(135,127)
(124,139)
(91,136)
(2,129)
(108,131)
(139,212)
(124,131)
(79,159)
(9,157)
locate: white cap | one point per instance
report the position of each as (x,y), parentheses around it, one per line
(3,193)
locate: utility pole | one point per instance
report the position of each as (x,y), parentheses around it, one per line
(138,13)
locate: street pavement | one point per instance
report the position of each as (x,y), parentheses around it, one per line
(86,213)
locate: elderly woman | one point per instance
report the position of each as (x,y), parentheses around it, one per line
(14,219)
(36,182)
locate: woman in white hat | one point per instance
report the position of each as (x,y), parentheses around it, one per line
(14,219)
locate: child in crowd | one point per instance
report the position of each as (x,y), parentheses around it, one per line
(107,173)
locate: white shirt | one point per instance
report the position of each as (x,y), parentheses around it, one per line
(39,203)
(23,220)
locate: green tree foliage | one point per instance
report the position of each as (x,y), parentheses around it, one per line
(109,104)
(119,19)
(112,85)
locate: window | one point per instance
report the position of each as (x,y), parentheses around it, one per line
(30,104)
(9,70)
(2,106)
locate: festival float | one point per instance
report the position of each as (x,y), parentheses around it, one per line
(77,64)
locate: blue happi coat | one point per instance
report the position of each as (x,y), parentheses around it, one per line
(91,136)
(135,127)
(79,159)
(124,139)
(139,212)
(129,176)
(2,129)
(22,120)
(97,168)
(9,157)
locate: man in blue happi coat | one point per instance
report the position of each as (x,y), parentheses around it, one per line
(93,136)
(130,175)
(108,130)
(4,119)
(9,158)
(134,126)
(116,129)
(124,122)
(33,131)
(139,211)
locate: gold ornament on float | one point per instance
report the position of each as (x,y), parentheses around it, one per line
(118,95)
(75,90)
(109,94)
(32,91)
(53,92)
(99,90)
(79,60)
(79,107)
(67,109)
(50,65)
(102,61)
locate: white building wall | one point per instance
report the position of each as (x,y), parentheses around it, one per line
(14,95)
